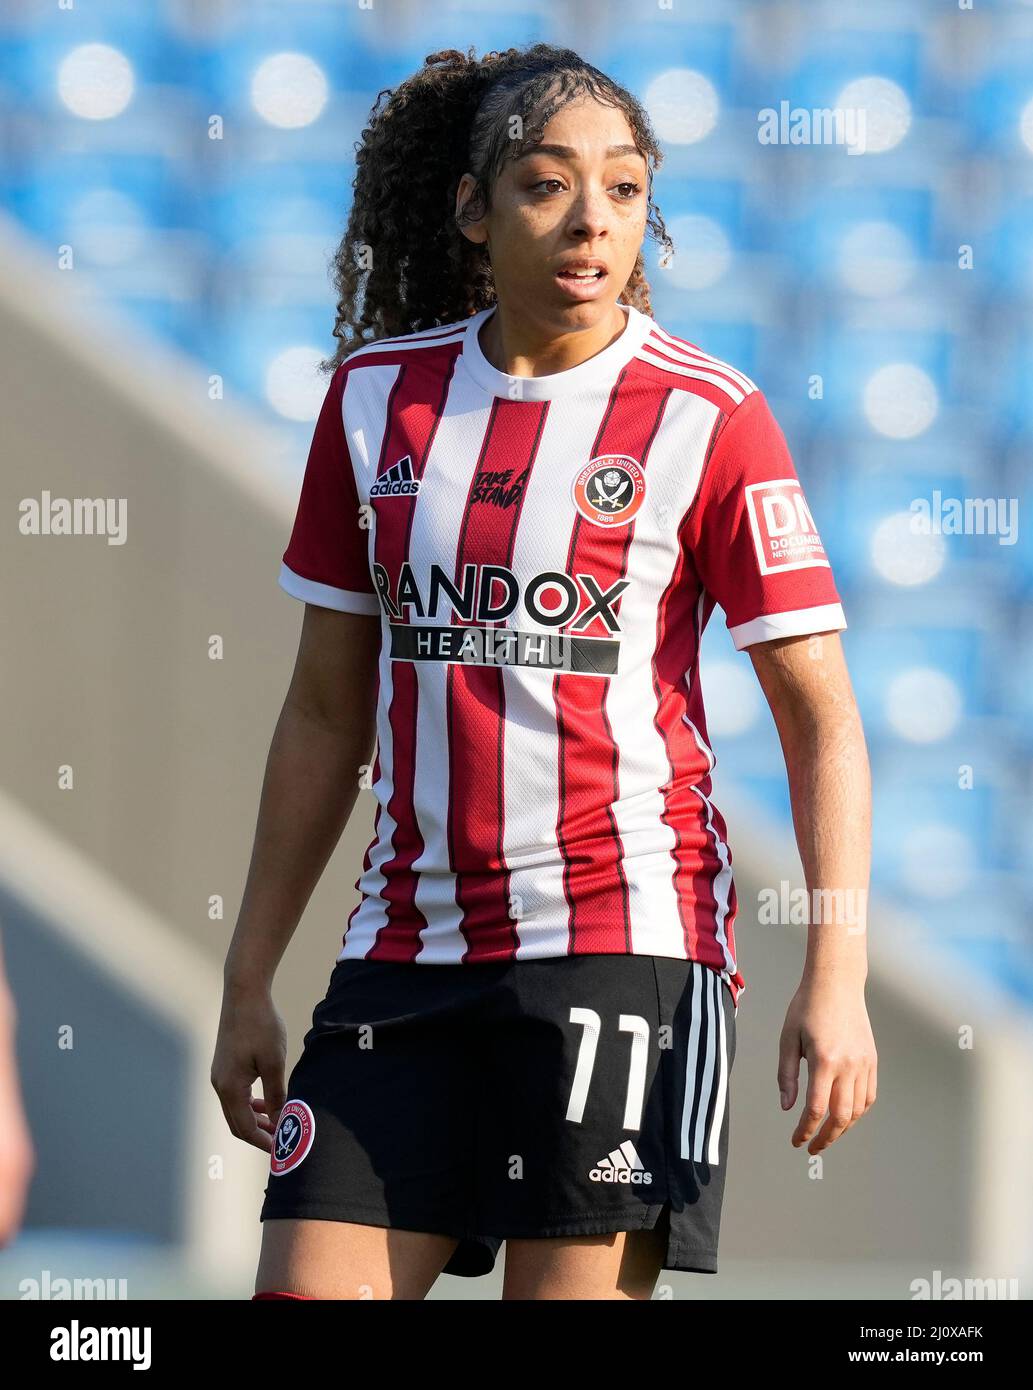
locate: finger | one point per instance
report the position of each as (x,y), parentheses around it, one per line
(841,1113)
(235,1098)
(227,1113)
(873,1082)
(273,1092)
(788,1074)
(860,1093)
(819,1083)
(222,1087)
(264,1122)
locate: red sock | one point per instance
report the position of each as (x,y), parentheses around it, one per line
(256,1296)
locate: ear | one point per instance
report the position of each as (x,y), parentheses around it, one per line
(475,230)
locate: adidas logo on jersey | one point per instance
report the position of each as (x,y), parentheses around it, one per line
(398,481)
(621,1165)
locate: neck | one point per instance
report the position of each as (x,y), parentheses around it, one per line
(518,344)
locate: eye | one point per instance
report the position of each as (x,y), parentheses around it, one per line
(630,189)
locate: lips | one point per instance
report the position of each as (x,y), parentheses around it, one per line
(581,279)
(586,270)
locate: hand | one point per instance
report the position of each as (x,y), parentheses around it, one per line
(252,1043)
(827,1023)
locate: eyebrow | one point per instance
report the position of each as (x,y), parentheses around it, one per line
(567,152)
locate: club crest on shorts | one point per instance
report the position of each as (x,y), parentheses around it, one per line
(609,490)
(293,1137)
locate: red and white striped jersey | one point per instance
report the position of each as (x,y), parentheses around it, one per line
(544,553)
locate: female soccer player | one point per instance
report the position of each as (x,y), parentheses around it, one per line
(522,502)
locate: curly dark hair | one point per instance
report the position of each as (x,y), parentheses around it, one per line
(403,264)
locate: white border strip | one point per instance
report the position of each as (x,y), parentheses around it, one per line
(797,622)
(325,595)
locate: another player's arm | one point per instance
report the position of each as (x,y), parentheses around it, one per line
(807,686)
(324,735)
(17,1153)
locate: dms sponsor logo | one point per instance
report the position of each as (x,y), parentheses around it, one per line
(784,532)
(398,481)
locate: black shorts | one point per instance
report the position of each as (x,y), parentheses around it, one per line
(570,1096)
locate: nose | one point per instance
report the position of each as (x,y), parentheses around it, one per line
(588,215)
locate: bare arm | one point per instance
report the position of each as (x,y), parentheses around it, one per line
(18,1153)
(807,686)
(323,738)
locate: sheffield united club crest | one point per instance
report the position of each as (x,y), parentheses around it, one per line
(609,490)
(293,1137)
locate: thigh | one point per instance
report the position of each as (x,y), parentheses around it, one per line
(571,1133)
(343,1260)
(373,1147)
(603,1124)
(696,1067)
(621,1265)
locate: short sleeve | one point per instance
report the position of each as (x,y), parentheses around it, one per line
(327,559)
(753,538)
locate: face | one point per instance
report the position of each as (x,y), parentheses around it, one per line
(579,196)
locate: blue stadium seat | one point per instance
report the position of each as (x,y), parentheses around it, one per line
(853,490)
(992,109)
(39,45)
(1016,404)
(982,931)
(654,45)
(244,345)
(1016,680)
(811,235)
(836,55)
(880,650)
(922,855)
(285,199)
(847,358)
(47,197)
(1009,248)
(722,200)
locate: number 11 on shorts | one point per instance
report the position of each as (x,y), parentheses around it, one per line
(591,1025)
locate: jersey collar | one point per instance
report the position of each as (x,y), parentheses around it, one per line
(600,369)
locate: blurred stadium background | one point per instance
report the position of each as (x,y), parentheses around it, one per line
(175,177)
